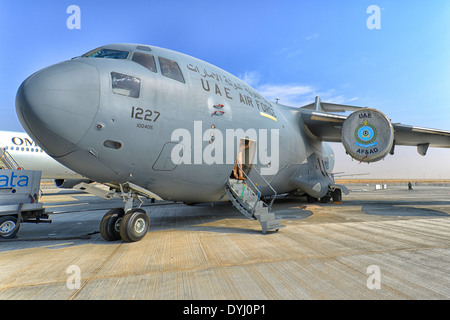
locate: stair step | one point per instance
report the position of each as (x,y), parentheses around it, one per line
(247,202)
(265,217)
(271,225)
(261,210)
(237,203)
(251,199)
(274,224)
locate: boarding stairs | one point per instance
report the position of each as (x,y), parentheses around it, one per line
(7,161)
(246,198)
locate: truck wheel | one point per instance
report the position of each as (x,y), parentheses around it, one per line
(9,226)
(134,225)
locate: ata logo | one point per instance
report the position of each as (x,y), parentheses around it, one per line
(13,181)
(366,135)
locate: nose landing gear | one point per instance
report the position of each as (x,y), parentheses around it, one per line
(134,225)
(110,224)
(131,226)
(128,223)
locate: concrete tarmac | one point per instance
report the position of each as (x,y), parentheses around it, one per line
(383,244)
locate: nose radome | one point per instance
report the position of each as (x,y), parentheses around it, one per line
(57,105)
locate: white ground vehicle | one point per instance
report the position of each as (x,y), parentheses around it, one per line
(19,200)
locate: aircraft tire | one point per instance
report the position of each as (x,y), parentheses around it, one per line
(9,227)
(134,225)
(337,196)
(110,224)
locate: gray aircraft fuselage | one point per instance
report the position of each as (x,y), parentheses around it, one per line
(113,120)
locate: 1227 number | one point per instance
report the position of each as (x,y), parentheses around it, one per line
(141,114)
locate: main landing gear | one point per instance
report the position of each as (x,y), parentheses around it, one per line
(334,195)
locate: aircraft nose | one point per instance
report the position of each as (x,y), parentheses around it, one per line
(57,105)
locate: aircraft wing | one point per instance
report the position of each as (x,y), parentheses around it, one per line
(325,126)
(414,136)
(328,126)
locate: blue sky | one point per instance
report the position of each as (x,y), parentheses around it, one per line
(292,50)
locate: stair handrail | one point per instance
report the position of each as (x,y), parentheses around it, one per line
(270,186)
(8,160)
(258,193)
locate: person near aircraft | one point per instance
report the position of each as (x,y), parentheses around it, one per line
(239,165)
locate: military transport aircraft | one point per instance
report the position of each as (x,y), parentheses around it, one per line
(150,122)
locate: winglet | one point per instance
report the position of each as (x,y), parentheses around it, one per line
(317,104)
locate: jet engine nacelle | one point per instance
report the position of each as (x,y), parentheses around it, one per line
(367,135)
(69,183)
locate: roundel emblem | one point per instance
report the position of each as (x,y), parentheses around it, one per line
(366,135)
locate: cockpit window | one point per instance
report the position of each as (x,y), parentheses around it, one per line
(106,53)
(146,60)
(125,85)
(171,69)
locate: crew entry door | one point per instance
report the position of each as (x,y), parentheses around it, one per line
(244,159)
